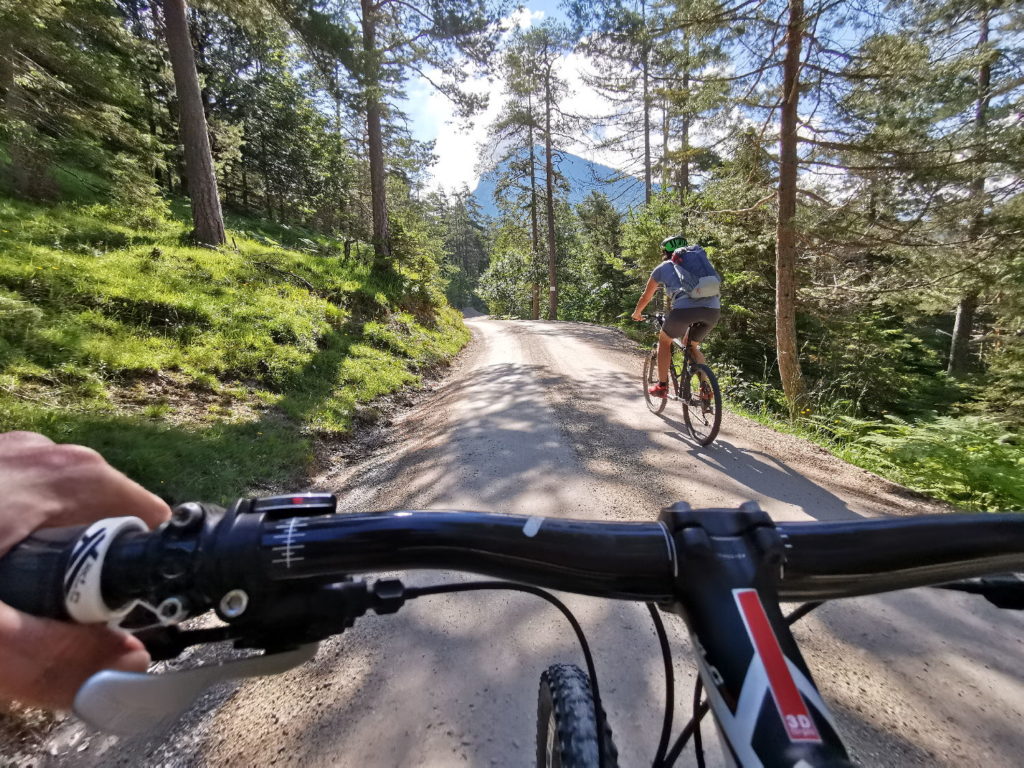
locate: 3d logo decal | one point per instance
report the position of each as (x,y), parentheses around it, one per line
(796,718)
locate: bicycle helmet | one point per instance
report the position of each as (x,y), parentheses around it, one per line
(670,244)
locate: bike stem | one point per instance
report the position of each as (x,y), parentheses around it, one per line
(765,704)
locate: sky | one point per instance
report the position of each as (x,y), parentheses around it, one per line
(431,114)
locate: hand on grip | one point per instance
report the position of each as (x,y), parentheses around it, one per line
(43,662)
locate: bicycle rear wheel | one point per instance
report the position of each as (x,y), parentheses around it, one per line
(566,723)
(702,403)
(655,404)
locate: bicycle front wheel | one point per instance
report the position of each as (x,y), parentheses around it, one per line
(655,404)
(702,404)
(566,722)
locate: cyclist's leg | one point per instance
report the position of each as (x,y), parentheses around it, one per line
(695,353)
(700,327)
(664,356)
(675,326)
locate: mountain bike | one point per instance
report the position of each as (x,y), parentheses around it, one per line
(691,383)
(279,573)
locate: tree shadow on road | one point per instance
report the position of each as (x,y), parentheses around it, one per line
(771,477)
(593,415)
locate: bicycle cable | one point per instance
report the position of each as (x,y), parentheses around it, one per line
(473,586)
(670,693)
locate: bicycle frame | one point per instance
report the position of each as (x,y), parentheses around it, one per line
(760,691)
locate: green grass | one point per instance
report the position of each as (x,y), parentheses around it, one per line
(200,372)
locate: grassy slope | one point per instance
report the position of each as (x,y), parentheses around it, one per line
(202,373)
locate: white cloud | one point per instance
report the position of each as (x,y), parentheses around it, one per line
(457,145)
(522,18)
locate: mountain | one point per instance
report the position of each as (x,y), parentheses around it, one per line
(583,177)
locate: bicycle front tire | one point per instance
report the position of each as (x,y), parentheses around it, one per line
(567,724)
(655,404)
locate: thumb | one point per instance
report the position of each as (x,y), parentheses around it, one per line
(45,662)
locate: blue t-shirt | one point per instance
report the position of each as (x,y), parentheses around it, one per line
(665,274)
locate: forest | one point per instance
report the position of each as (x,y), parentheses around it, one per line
(218,225)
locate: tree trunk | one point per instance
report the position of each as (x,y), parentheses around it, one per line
(645,64)
(195,136)
(199,46)
(549,182)
(6,69)
(959,349)
(30,162)
(785,248)
(664,143)
(245,182)
(268,199)
(375,138)
(534,226)
(684,164)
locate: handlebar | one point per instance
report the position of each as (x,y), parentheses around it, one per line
(263,548)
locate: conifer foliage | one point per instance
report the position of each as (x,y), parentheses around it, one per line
(854,169)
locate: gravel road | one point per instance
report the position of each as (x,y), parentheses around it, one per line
(546,418)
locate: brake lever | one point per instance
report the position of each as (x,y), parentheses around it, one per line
(132,703)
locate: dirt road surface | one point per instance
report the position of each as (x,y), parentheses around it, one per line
(546,418)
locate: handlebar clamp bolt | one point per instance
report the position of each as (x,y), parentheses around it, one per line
(171,610)
(234,603)
(187,515)
(696,542)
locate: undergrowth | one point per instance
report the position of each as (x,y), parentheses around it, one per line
(200,372)
(973,462)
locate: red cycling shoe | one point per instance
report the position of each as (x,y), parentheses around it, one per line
(658,390)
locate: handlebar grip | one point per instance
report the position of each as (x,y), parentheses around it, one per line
(56,572)
(32,573)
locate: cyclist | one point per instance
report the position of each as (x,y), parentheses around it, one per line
(44,662)
(689,317)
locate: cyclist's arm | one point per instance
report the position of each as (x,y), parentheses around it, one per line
(645,299)
(44,662)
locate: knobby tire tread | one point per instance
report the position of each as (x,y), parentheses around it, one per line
(565,691)
(650,374)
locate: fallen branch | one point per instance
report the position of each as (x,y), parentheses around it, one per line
(286,273)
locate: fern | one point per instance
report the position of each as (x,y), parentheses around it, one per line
(970,461)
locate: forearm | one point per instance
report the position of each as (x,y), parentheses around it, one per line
(646,297)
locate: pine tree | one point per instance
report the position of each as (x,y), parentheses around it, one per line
(620,40)
(195,138)
(399,39)
(541,50)
(692,49)
(70,101)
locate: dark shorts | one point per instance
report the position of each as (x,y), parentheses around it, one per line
(703,319)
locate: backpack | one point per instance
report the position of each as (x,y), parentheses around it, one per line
(703,281)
